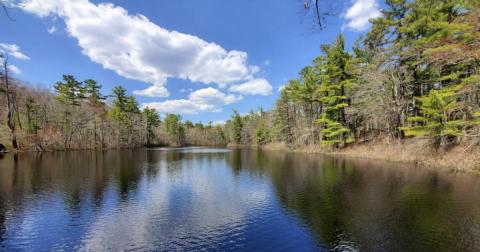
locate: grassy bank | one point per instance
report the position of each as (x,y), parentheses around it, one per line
(461,158)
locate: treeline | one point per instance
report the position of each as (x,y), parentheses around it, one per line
(416,73)
(78,116)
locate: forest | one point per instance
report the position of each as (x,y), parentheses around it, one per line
(414,76)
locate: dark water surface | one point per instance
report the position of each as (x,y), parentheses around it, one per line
(194,199)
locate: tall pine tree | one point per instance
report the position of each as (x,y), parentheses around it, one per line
(333,94)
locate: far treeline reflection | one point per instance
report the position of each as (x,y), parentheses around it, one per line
(366,205)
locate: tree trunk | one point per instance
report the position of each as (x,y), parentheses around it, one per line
(10,106)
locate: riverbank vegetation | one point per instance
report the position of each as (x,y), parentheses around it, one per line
(414,77)
(78,116)
(413,82)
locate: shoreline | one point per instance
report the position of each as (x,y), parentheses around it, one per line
(412,152)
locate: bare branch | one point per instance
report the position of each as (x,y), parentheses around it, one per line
(5,9)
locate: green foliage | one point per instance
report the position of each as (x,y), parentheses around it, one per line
(283,119)
(92,92)
(188,124)
(336,80)
(152,120)
(333,132)
(219,134)
(175,128)
(70,91)
(438,116)
(132,105)
(476,118)
(123,105)
(262,134)
(151,117)
(237,126)
(119,95)
(33,115)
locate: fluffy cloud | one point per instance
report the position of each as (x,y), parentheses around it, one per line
(360,13)
(14,69)
(138,49)
(156,90)
(13,50)
(202,100)
(258,86)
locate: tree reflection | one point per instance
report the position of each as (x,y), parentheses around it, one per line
(355,204)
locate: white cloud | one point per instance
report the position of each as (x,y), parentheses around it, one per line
(138,49)
(14,69)
(155,90)
(52,29)
(13,50)
(359,14)
(8,3)
(219,122)
(202,100)
(258,86)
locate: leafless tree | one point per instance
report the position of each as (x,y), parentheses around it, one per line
(317,11)
(10,100)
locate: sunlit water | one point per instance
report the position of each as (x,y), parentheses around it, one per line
(192,199)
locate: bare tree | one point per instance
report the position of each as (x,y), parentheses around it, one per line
(318,11)
(10,101)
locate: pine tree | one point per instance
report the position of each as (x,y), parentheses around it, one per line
(283,119)
(69,92)
(174,128)
(152,119)
(335,82)
(131,105)
(92,92)
(120,98)
(435,121)
(237,126)
(262,134)
(450,51)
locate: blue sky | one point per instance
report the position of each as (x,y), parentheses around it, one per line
(200,59)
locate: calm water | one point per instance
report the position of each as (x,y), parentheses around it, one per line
(213,199)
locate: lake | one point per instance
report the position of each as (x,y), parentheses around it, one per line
(192,199)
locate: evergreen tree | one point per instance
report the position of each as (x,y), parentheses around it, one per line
(92,92)
(119,94)
(69,92)
(335,82)
(33,116)
(152,120)
(237,126)
(175,128)
(284,118)
(262,134)
(131,105)
(435,120)
(120,100)
(303,91)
